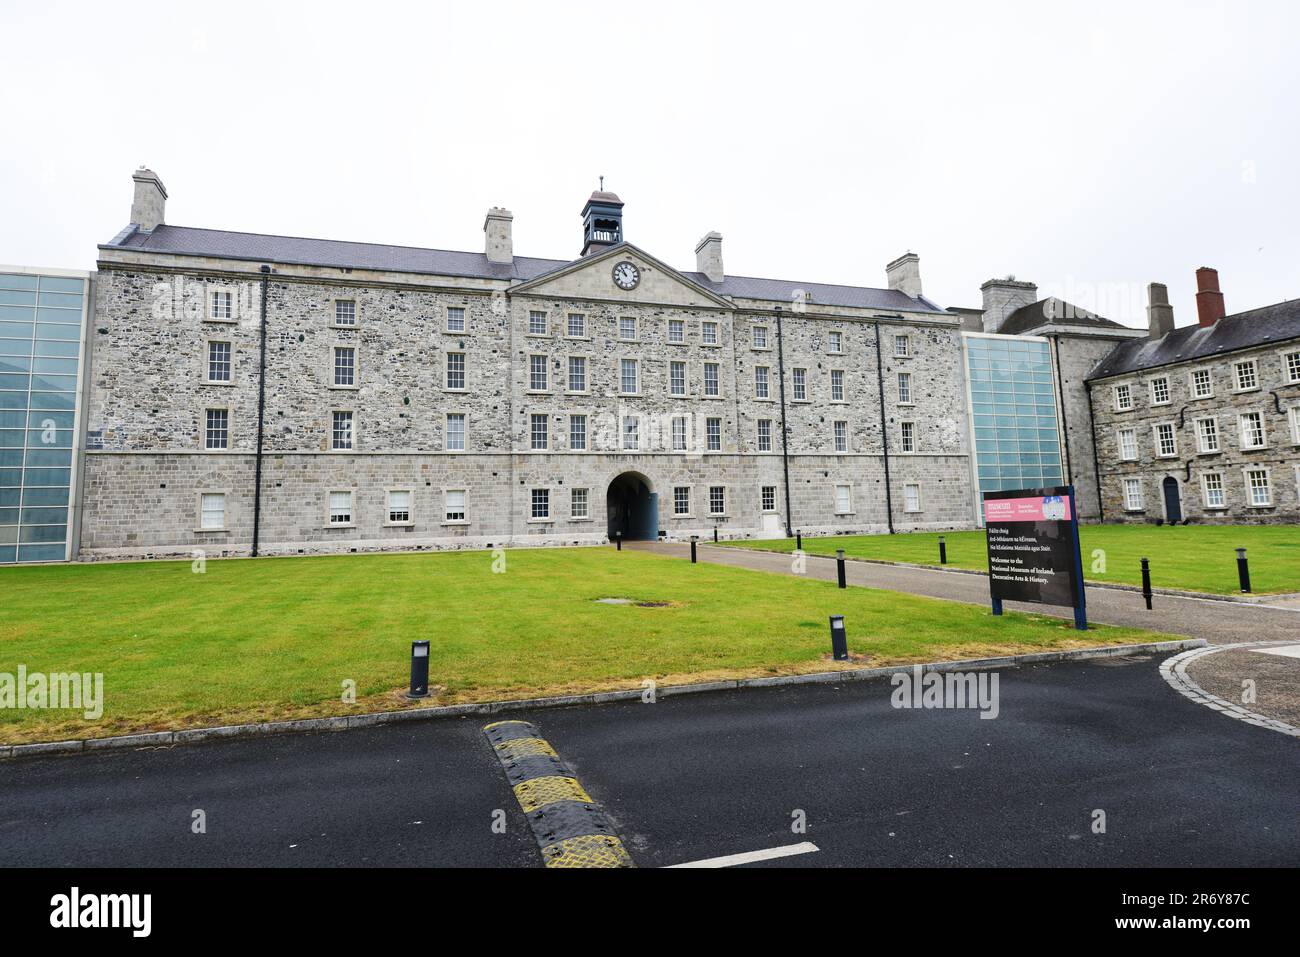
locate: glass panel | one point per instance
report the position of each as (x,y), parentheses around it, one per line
(51,330)
(60,316)
(42,419)
(55,383)
(14,382)
(16,347)
(62,284)
(61,299)
(40,553)
(44,516)
(10,298)
(49,476)
(42,496)
(48,348)
(7,555)
(51,439)
(59,401)
(14,281)
(48,458)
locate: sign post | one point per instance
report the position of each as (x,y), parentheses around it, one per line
(1033,548)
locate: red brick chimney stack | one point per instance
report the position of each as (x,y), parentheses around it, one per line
(1209,301)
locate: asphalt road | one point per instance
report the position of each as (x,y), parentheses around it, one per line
(706,775)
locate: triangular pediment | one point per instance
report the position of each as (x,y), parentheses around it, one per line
(592,277)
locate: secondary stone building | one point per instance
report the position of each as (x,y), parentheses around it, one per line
(269,394)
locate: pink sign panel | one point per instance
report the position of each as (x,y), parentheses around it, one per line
(1052,508)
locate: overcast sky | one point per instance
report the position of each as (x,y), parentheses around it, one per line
(1088,147)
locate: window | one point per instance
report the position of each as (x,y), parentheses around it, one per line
(218,361)
(345,366)
(1123,397)
(345,312)
(456,432)
(223,305)
(1166,443)
(1246,375)
(676,330)
(1212,490)
(760,337)
(911,497)
(760,382)
(627,328)
(537,374)
(682,500)
(1252,430)
(1258,493)
(1294,414)
(456,370)
(713,434)
(905,388)
(711,378)
(217,434)
(577,373)
(341,431)
(799,379)
(577,325)
(212,511)
(536,323)
(907,435)
(1291,367)
(539,432)
(837,385)
(679,434)
(1128,445)
(717,500)
(1132,495)
(631,433)
(709,333)
(541,503)
(677,378)
(578,433)
(579,499)
(841,432)
(340,508)
(1202,384)
(843,499)
(399,507)
(837,342)
(765,435)
(1160,391)
(767,497)
(455,318)
(454,505)
(627,376)
(1207,435)
(902,346)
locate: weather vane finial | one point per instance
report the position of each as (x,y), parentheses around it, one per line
(602,184)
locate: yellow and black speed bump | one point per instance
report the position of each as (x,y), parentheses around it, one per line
(571,829)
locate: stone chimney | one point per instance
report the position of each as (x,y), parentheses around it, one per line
(499,241)
(708,256)
(1002,297)
(1160,315)
(904,274)
(1209,301)
(150,200)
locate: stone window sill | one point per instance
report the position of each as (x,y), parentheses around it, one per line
(223,382)
(574,518)
(541,521)
(341,525)
(399,524)
(346,388)
(212,531)
(455,522)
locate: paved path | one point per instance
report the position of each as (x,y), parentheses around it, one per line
(702,776)
(1219,622)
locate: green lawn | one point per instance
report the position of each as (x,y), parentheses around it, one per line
(275,638)
(1190,557)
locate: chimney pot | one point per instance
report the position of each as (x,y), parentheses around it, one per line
(904,274)
(498,238)
(1209,300)
(708,256)
(1160,314)
(150,202)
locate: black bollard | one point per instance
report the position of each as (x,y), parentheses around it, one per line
(798,540)
(1243,570)
(618,541)
(419,670)
(943,551)
(694,539)
(839,567)
(715,534)
(839,640)
(1146,582)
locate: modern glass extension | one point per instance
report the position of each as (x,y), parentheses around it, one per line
(1015,423)
(42,332)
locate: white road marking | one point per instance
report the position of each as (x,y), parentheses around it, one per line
(731,860)
(1287,651)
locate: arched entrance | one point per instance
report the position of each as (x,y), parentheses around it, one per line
(1173,501)
(633,508)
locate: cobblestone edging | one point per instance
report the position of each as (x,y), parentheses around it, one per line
(1174,671)
(347,722)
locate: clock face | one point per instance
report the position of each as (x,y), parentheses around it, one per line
(626,275)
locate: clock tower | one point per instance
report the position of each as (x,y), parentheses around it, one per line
(602,222)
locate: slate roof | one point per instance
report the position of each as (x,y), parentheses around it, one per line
(1058,312)
(1259,327)
(292,250)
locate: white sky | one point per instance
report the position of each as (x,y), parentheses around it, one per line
(1089,147)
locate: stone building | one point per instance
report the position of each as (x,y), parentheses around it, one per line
(274,395)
